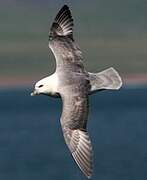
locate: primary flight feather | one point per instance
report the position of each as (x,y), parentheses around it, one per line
(74,84)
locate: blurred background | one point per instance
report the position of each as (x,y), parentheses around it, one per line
(109,33)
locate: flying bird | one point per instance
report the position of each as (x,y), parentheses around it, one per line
(73,84)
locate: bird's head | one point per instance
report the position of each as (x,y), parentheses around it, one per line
(41,87)
(46,86)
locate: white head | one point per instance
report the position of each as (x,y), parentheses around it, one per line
(41,87)
(47,86)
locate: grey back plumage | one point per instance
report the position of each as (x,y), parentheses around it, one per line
(74,86)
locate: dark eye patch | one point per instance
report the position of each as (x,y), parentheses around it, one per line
(40,86)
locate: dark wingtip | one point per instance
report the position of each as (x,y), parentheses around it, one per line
(65,6)
(63,23)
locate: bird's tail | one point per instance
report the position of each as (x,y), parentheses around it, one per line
(107,79)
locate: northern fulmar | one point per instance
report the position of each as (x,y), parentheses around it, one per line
(73,84)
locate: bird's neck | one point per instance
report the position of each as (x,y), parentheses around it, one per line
(53,83)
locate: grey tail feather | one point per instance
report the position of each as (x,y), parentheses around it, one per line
(107,79)
(63,23)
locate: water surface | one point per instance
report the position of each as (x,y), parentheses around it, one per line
(32,145)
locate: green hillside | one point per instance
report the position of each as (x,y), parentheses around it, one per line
(110,33)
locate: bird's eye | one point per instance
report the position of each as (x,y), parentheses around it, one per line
(40,86)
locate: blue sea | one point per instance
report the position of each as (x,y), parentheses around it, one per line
(32,145)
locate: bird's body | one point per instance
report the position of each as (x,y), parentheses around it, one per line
(73,84)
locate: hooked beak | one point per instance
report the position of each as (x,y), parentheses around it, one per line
(34,93)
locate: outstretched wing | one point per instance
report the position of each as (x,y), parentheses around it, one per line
(73,121)
(61,42)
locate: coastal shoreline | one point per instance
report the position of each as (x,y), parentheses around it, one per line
(8,82)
